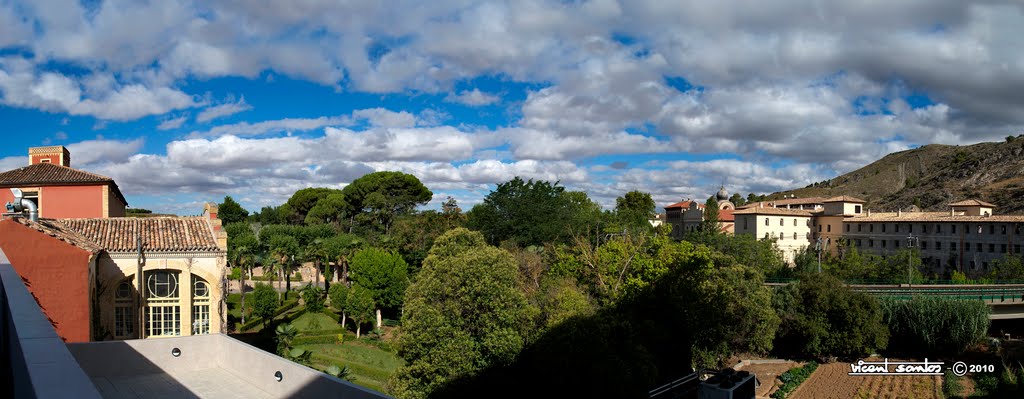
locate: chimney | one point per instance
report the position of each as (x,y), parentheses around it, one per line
(210,214)
(899,212)
(56,154)
(869,213)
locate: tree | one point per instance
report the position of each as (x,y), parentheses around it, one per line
(710,223)
(138,211)
(413,235)
(339,300)
(340,248)
(462,314)
(525,212)
(634,209)
(822,317)
(283,249)
(230,211)
(271,215)
(264,302)
(331,209)
(1009,268)
(737,199)
(380,196)
(300,203)
(313,297)
(285,333)
(935,325)
(586,214)
(242,250)
(384,274)
(359,306)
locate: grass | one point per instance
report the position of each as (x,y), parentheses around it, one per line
(371,366)
(315,322)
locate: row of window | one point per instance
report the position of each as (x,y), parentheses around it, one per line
(933,228)
(163,306)
(937,245)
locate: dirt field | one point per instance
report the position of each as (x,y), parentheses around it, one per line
(831,381)
(768,374)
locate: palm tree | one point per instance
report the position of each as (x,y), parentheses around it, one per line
(283,249)
(243,257)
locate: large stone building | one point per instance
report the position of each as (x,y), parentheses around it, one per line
(83,265)
(966,238)
(688,215)
(60,191)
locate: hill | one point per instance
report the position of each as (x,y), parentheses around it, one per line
(933,176)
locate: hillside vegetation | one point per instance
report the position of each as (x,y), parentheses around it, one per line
(932,176)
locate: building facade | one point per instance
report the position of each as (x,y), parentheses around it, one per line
(687,215)
(60,191)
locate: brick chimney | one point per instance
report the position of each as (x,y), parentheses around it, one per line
(56,154)
(210,213)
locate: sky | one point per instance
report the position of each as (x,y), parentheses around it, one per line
(186,102)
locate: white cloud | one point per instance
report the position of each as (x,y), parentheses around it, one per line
(172,123)
(473,98)
(100,150)
(223,110)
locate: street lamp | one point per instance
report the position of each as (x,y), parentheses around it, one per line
(911,243)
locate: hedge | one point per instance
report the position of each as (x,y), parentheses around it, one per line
(316,339)
(257,320)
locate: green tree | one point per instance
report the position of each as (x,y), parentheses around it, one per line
(586,214)
(285,334)
(340,248)
(384,274)
(737,199)
(304,200)
(283,249)
(339,300)
(138,211)
(313,297)
(821,317)
(271,215)
(935,325)
(264,302)
(462,314)
(230,211)
(380,196)
(709,225)
(359,306)
(525,212)
(243,251)
(332,209)
(634,209)
(558,299)
(413,235)
(1009,268)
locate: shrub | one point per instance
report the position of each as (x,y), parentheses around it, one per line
(951,385)
(986,383)
(793,378)
(934,324)
(313,297)
(822,318)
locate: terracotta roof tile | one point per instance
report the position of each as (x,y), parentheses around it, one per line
(772,211)
(43,174)
(684,205)
(59,231)
(159,234)
(972,202)
(726,215)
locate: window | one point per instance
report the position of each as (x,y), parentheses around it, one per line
(200,306)
(163,311)
(979,229)
(973,265)
(746,222)
(1002,248)
(1016,248)
(782,222)
(884,242)
(871,243)
(1002,228)
(847,228)
(938,229)
(924,244)
(782,236)
(991,248)
(46,160)
(984,265)
(896,227)
(794,236)
(794,222)
(883,227)
(967,247)
(977,247)
(991,229)
(924,228)
(871,228)
(938,245)
(858,242)
(858,228)
(856,209)
(828,228)
(952,228)
(765,221)
(819,228)
(124,311)
(896,243)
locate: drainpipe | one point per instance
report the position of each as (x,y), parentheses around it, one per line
(21,203)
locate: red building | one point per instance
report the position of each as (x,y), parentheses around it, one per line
(60,191)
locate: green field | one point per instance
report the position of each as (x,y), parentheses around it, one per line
(371,366)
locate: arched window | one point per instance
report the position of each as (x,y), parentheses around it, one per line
(163,310)
(200,306)
(124,311)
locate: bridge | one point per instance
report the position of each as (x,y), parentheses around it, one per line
(1006,301)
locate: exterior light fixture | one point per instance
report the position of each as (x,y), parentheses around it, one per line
(278,376)
(175,352)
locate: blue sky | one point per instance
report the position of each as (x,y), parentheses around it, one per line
(186,102)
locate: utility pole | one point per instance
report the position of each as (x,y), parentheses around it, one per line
(911,240)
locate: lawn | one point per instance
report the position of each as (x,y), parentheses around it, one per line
(313,322)
(371,366)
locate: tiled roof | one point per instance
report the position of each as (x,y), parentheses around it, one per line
(931,217)
(59,231)
(845,198)
(972,202)
(159,234)
(772,211)
(684,205)
(725,215)
(43,174)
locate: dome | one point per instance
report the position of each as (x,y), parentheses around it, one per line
(722,194)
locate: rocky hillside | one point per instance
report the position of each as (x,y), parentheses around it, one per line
(933,176)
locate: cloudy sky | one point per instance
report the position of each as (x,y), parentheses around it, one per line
(185,102)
